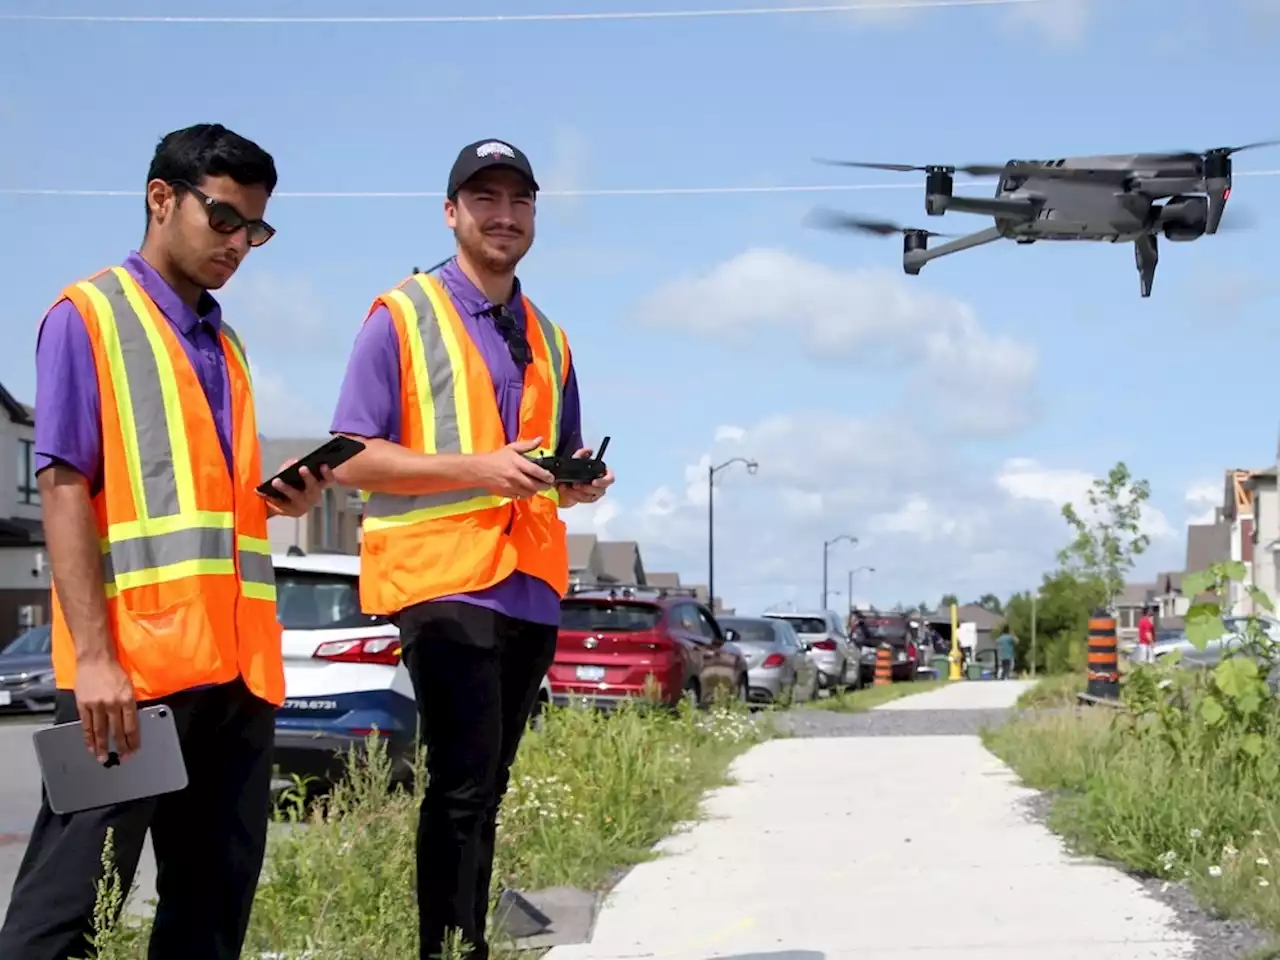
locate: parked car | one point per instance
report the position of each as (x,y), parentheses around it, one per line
(895,630)
(823,638)
(614,639)
(778,670)
(343,674)
(26,673)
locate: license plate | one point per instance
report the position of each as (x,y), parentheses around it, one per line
(591,673)
(5,698)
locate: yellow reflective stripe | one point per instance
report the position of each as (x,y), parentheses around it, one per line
(109,334)
(418,363)
(150,526)
(184,476)
(449,332)
(258,591)
(553,495)
(237,350)
(253,544)
(454,509)
(171,572)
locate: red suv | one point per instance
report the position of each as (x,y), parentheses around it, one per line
(612,639)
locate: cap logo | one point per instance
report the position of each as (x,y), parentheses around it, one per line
(495,148)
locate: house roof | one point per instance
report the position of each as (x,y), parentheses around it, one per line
(980,617)
(1136,595)
(582,551)
(18,412)
(1207,544)
(1169,582)
(620,561)
(663,579)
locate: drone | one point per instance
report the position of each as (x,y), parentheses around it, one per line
(1110,199)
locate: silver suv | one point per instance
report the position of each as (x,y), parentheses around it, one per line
(827,646)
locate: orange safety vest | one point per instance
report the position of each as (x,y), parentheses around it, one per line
(419,547)
(186,564)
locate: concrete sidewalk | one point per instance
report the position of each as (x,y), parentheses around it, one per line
(871,848)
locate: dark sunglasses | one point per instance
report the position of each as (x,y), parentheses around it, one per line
(226,219)
(505,321)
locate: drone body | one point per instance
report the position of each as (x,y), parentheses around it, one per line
(1125,198)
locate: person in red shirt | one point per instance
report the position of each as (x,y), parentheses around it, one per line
(1146,637)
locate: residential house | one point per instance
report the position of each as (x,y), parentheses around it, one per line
(664,579)
(1266,532)
(332,526)
(1128,607)
(584,559)
(1237,512)
(620,562)
(24,566)
(984,622)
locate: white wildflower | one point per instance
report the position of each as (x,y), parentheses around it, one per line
(1215,871)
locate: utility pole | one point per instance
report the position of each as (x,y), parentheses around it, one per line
(850,593)
(752,467)
(1033,636)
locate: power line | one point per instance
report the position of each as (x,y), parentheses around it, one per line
(865,6)
(621,192)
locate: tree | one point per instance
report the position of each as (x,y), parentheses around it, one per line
(947,600)
(989,601)
(1109,538)
(1063,605)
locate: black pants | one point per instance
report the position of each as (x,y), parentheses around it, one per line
(1006,669)
(475,675)
(208,839)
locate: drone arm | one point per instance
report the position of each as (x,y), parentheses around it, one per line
(913,260)
(994,206)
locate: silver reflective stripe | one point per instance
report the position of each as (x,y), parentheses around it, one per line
(553,347)
(256,568)
(389,505)
(439,368)
(146,399)
(165,549)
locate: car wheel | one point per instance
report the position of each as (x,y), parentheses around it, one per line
(691,694)
(742,689)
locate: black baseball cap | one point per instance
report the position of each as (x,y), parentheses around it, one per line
(484,154)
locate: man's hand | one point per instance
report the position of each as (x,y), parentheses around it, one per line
(572,493)
(105,699)
(298,503)
(509,473)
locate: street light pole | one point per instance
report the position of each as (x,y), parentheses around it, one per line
(851,573)
(752,467)
(826,547)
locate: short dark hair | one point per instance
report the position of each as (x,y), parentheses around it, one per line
(211,150)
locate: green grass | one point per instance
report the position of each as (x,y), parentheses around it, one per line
(589,794)
(1056,690)
(1189,810)
(856,701)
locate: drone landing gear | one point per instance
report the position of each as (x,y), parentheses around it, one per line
(1146,254)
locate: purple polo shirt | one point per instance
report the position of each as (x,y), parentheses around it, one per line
(369,406)
(68,406)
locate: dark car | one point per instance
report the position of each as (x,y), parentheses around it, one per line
(895,630)
(26,672)
(617,643)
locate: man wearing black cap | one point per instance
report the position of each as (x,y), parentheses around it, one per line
(456,378)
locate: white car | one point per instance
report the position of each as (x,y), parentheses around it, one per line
(343,672)
(342,668)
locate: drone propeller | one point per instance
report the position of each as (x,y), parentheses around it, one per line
(1214,151)
(834,220)
(973,169)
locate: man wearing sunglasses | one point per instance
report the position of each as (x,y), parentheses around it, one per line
(147,460)
(455,379)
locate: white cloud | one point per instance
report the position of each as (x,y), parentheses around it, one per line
(982,384)
(280,411)
(1025,479)
(1060,22)
(1203,500)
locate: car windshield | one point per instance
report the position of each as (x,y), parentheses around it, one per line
(750,631)
(807,624)
(35,641)
(886,627)
(319,601)
(608,616)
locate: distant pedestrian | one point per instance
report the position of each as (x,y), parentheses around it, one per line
(1005,651)
(1145,651)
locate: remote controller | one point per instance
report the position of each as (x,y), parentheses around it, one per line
(575,469)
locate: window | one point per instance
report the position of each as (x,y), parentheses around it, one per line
(608,616)
(27,491)
(319,601)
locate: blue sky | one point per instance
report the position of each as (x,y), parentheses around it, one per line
(942,419)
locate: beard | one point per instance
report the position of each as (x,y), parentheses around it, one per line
(489,257)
